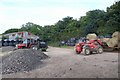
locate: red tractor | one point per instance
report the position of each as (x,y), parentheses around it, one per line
(28,43)
(89,46)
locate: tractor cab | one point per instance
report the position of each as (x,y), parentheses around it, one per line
(29,42)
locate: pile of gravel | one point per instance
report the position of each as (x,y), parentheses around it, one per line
(22,60)
(7,49)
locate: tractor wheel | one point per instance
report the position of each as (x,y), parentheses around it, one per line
(100,50)
(87,51)
(77,52)
(34,47)
(21,47)
(43,50)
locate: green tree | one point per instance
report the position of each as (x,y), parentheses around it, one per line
(11,30)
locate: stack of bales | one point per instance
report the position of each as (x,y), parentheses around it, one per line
(91,36)
(115,40)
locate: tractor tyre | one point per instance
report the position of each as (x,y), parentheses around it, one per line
(100,50)
(34,47)
(77,52)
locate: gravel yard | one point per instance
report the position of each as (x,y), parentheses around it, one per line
(7,49)
(64,63)
(21,60)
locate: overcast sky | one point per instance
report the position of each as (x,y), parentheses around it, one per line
(14,13)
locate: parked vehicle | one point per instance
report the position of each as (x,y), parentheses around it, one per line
(62,43)
(43,45)
(28,43)
(89,46)
(33,44)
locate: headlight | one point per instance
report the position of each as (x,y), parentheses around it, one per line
(16,46)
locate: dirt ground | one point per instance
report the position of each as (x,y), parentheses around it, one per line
(64,63)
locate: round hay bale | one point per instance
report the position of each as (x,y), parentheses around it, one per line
(104,39)
(91,36)
(119,44)
(116,35)
(112,42)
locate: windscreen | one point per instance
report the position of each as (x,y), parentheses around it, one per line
(42,42)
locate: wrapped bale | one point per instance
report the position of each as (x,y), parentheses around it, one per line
(113,42)
(119,44)
(105,39)
(91,36)
(116,35)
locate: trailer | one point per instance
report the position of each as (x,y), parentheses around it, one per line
(12,39)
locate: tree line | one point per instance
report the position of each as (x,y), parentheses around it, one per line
(95,21)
